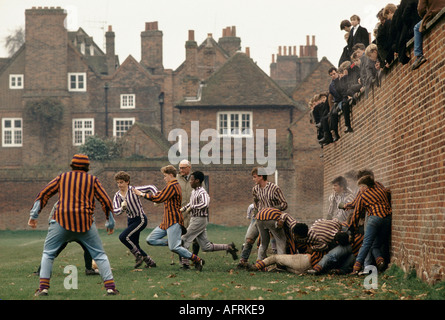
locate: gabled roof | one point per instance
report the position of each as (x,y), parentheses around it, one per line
(239,82)
(152,133)
(208,42)
(130,61)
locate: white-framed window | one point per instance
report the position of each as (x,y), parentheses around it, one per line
(12,132)
(82,129)
(234,124)
(77,81)
(128,101)
(121,126)
(16,81)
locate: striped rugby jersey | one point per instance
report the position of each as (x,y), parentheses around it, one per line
(293,246)
(270,196)
(171,196)
(134,205)
(374,201)
(321,234)
(75,208)
(268,214)
(199,203)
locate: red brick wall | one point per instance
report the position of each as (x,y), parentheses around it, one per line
(399,134)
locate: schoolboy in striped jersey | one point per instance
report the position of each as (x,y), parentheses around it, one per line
(373,198)
(172,224)
(125,201)
(199,217)
(265,195)
(269,221)
(73,219)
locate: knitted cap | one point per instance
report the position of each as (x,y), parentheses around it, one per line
(80,160)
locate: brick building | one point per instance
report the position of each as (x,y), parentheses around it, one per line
(60,87)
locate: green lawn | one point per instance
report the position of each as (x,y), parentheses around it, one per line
(220,280)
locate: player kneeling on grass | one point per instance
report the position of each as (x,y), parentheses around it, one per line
(73,220)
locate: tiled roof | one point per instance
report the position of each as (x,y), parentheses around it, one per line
(239,82)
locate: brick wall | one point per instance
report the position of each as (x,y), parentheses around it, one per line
(399,134)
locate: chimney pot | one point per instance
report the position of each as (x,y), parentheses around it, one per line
(313,40)
(279,50)
(110,28)
(273,58)
(301,51)
(307,41)
(233,31)
(191,35)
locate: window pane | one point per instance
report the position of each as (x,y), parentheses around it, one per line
(80,82)
(17,124)
(223,124)
(18,137)
(8,124)
(78,137)
(234,123)
(245,124)
(7,137)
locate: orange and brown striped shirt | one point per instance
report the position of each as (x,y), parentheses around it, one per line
(77,190)
(171,196)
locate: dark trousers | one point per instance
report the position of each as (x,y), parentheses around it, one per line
(130,236)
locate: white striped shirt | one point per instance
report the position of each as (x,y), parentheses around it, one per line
(270,196)
(134,205)
(199,203)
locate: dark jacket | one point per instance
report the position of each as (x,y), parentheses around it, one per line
(385,42)
(361,36)
(402,28)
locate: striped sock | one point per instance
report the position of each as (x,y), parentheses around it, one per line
(195,258)
(260,265)
(219,247)
(318,268)
(357,266)
(109,284)
(379,260)
(44,283)
(185,261)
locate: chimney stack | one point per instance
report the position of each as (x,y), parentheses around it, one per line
(110,50)
(229,41)
(191,65)
(46,36)
(151,48)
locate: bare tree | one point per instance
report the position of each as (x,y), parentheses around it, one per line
(14,41)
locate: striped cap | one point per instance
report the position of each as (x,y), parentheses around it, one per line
(80,160)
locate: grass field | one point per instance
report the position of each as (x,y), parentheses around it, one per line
(220,280)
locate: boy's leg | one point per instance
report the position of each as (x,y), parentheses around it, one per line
(156,237)
(265,238)
(56,237)
(92,242)
(251,235)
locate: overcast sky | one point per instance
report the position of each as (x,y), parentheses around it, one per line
(262,25)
